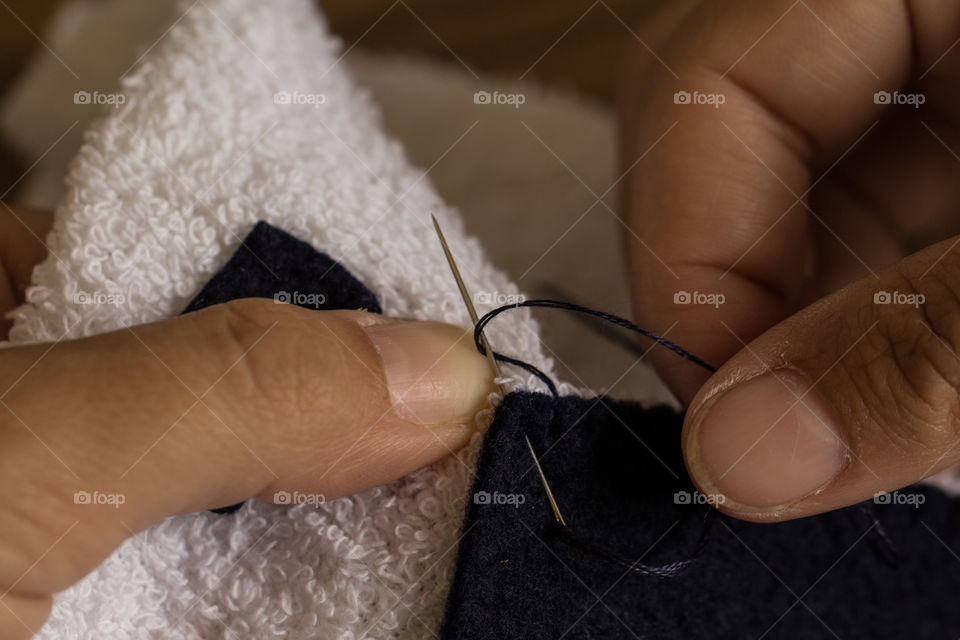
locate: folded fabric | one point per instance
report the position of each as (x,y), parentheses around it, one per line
(616,471)
(270,263)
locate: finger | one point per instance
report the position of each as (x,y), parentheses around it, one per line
(641,60)
(22,233)
(713,203)
(854,395)
(250,398)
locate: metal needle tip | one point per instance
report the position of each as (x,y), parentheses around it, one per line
(493,363)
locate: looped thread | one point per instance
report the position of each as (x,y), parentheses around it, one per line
(569,306)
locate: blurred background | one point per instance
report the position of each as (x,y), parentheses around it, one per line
(570,44)
(538,185)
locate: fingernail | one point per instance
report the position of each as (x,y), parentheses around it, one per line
(433,371)
(762,448)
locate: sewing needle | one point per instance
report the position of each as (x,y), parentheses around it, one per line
(494,364)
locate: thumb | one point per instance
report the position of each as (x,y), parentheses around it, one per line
(104,436)
(854,395)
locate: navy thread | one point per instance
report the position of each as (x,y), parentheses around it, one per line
(569,306)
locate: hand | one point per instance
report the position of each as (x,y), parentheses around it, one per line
(782,175)
(104,436)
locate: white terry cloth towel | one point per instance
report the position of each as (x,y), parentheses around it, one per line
(536,184)
(158,197)
(164,189)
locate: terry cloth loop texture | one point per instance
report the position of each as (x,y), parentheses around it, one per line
(616,470)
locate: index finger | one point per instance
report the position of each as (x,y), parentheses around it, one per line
(759,98)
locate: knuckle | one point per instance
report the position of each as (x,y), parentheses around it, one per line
(295,368)
(920,386)
(266,351)
(245,323)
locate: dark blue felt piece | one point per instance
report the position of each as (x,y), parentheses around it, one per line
(615,469)
(271,263)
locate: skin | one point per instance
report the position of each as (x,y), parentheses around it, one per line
(819,402)
(255,386)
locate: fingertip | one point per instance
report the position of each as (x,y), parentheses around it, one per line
(433,371)
(762,446)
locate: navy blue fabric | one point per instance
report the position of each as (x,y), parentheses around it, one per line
(271,263)
(616,469)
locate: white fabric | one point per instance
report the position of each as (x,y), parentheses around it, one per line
(526,180)
(158,198)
